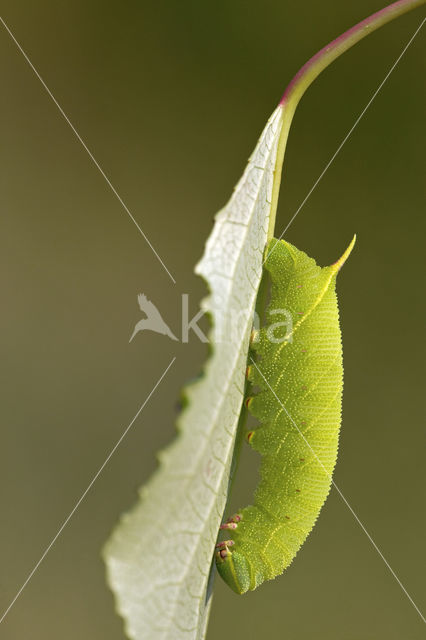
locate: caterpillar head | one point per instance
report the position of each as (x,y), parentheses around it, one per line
(234,569)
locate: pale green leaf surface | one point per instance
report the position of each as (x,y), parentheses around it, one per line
(159,556)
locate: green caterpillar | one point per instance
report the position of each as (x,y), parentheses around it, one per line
(299,377)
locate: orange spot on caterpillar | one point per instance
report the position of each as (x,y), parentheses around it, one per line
(288,517)
(248,401)
(302,459)
(297,490)
(300,313)
(249,436)
(248,371)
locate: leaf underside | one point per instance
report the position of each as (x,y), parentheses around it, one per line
(159,556)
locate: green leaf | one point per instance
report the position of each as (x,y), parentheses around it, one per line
(159,556)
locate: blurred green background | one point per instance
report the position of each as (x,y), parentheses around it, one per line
(170,97)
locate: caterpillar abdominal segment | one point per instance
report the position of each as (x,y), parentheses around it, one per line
(299,378)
